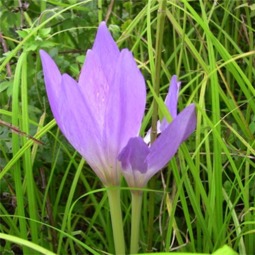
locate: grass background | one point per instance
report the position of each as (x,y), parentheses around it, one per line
(205,196)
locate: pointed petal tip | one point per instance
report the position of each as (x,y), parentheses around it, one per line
(191,108)
(43,54)
(174,78)
(171,99)
(105,39)
(166,145)
(106,49)
(190,118)
(47,60)
(102,25)
(174,82)
(41,51)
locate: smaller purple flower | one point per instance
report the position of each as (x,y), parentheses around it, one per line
(141,161)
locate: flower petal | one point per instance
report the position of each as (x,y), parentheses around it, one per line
(107,51)
(133,162)
(79,125)
(134,154)
(166,145)
(70,109)
(52,78)
(126,105)
(94,87)
(98,71)
(171,100)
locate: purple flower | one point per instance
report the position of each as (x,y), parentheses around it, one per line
(141,161)
(104,109)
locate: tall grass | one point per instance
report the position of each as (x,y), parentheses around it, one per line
(205,196)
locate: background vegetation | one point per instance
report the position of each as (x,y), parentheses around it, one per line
(205,196)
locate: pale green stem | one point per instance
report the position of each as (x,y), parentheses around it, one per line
(116,217)
(100,11)
(156,82)
(135,223)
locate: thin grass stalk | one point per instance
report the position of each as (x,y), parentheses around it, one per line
(156,86)
(27,245)
(98,216)
(149,39)
(9,222)
(100,10)
(202,51)
(171,207)
(27,145)
(15,148)
(216,181)
(249,239)
(191,195)
(68,205)
(250,41)
(237,72)
(32,207)
(146,11)
(42,6)
(156,82)
(236,221)
(50,183)
(94,221)
(201,132)
(35,147)
(186,40)
(173,229)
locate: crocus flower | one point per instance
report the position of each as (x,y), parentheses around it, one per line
(141,161)
(99,113)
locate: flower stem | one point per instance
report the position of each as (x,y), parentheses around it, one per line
(135,221)
(116,217)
